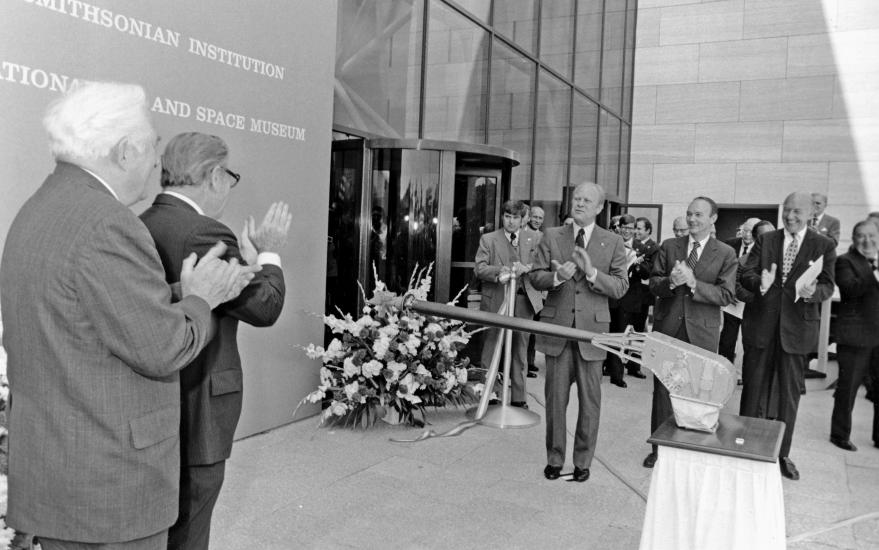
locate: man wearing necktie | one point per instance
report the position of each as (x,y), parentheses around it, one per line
(580,265)
(693,276)
(502,252)
(732,314)
(785,322)
(825,224)
(857,325)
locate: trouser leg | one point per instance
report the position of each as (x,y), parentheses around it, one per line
(588,377)
(557,390)
(199,489)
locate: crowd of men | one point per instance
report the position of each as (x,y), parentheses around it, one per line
(767,284)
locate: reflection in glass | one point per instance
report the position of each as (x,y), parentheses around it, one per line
(479,8)
(551,145)
(378,67)
(457,65)
(512,111)
(343,231)
(629,69)
(624,161)
(584,139)
(587,62)
(612,62)
(609,153)
(517,20)
(557,35)
(475,212)
(405,189)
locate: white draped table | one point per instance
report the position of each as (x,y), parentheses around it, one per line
(710,492)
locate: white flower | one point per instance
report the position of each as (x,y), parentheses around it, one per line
(380,346)
(352,389)
(314,352)
(349,369)
(396,368)
(450,381)
(326,377)
(317,394)
(389,331)
(336,350)
(422,370)
(412,344)
(338,408)
(364,322)
(372,368)
(434,329)
(461,375)
(408,387)
(339,325)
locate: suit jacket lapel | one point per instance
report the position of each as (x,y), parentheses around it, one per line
(706,258)
(804,256)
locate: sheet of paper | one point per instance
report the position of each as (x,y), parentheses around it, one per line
(809,276)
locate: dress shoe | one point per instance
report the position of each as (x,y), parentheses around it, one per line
(532,368)
(580,474)
(520,404)
(531,374)
(650,460)
(788,469)
(494,402)
(620,383)
(812,373)
(552,472)
(843,444)
(637,374)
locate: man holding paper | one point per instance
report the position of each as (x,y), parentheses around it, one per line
(789,288)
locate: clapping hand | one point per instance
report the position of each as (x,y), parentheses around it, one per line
(214,280)
(271,235)
(583,261)
(767,278)
(564,271)
(680,274)
(520,269)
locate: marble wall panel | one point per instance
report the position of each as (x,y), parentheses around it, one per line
(743,60)
(663,143)
(644,105)
(674,182)
(704,102)
(647,33)
(856,95)
(767,18)
(848,184)
(820,141)
(739,142)
(667,65)
(857,14)
(788,98)
(708,22)
(769,183)
(640,183)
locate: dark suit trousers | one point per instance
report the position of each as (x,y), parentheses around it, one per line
(619,320)
(159,541)
(562,371)
(729,336)
(854,364)
(790,370)
(661,409)
(199,489)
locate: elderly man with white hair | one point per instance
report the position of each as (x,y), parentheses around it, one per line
(93,338)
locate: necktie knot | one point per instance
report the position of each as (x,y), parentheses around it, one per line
(581,239)
(693,258)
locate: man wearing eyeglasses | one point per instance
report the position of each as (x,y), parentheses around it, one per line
(196,186)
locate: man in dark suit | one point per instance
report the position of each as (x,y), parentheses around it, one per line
(692,278)
(824,224)
(93,341)
(196,184)
(627,310)
(580,265)
(535,223)
(500,253)
(857,327)
(644,233)
(786,328)
(732,314)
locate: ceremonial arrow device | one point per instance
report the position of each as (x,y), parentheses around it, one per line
(700,382)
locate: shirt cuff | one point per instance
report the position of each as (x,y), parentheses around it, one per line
(593,277)
(269,258)
(555,279)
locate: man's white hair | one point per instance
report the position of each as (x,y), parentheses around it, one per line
(91,118)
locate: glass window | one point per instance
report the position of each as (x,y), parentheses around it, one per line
(557,35)
(457,64)
(584,139)
(612,59)
(553,137)
(511,111)
(378,67)
(517,20)
(624,163)
(629,69)
(587,60)
(479,8)
(608,153)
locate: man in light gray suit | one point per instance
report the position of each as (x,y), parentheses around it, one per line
(580,265)
(93,341)
(502,252)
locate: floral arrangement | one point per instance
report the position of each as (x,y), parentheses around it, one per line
(391,362)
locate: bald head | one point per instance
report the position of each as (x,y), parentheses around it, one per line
(680,227)
(796,211)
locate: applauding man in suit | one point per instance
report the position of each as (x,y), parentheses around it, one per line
(580,265)
(786,322)
(183,219)
(501,253)
(692,278)
(94,341)
(825,224)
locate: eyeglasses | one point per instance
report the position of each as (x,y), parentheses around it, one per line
(234,175)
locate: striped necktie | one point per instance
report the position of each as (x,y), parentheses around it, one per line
(693,258)
(790,254)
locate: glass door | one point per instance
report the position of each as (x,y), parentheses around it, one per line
(343,228)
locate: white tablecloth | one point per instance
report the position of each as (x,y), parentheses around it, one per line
(704,501)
